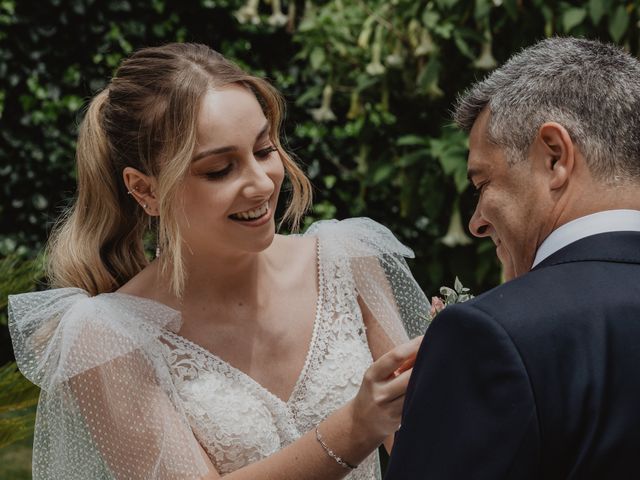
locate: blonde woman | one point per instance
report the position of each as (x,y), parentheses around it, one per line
(236,352)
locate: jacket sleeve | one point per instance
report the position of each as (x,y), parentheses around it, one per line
(469,411)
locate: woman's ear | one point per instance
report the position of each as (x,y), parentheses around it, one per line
(142,188)
(557,153)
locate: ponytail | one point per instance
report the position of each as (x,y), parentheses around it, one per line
(97,244)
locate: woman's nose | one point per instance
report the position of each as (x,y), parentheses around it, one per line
(258,181)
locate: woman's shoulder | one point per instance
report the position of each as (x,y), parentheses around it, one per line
(32,308)
(62,332)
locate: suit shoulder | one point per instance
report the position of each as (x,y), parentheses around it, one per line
(561,297)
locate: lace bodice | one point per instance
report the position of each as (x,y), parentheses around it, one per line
(238,421)
(125,397)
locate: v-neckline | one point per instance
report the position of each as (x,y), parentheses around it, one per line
(310,351)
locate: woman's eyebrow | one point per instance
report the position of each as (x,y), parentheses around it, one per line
(229,148)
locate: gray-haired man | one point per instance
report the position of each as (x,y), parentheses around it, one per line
(540,377)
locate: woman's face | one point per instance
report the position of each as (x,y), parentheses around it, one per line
(231,191)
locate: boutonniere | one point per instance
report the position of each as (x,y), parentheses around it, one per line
(449,296)
(458,294)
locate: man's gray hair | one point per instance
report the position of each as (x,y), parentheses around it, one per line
(590,88)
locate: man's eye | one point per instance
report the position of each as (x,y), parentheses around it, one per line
(265,152)
(478,190)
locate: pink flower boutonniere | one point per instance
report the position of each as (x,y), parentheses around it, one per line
(458,294)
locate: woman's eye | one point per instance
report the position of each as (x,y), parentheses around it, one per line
(265,152)
(218,173)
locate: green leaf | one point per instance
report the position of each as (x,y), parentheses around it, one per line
(482,10)
(329,181)
(311,94)
(430,73)
(619,23)
(462,45)
(317,58)
(445,4)
(572,18)
(412,140)
(413,157)
(382,173)
(461,179)
(430,19)
(596,10)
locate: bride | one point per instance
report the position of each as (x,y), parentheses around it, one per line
(235,352)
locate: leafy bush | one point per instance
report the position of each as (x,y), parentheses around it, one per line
(369,84)
(18,396)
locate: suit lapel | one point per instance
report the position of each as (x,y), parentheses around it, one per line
(617,247)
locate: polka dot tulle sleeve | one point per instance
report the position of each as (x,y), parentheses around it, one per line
(380,273)
(107,409)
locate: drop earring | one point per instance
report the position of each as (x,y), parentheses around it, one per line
(158,237)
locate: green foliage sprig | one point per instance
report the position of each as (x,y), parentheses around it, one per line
(18,396)
(17,275)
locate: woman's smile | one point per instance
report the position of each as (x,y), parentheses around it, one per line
(254,217)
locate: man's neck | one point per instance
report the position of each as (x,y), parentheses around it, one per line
(599,198)
(592,224)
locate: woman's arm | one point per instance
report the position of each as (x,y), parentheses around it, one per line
(352,432)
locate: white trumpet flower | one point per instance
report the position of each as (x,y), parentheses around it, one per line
(456,235)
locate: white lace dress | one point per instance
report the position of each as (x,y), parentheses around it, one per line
(124,394)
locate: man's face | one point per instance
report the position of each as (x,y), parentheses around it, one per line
(511,205)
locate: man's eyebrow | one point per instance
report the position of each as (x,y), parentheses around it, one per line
(229,148)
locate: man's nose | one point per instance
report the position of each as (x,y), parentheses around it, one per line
(478,226)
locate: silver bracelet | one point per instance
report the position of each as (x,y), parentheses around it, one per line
(331,453)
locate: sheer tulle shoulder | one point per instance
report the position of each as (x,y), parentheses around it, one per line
(381,275)
(107,408)
(49,330)
(357,237)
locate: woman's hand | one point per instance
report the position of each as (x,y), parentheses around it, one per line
(377,408)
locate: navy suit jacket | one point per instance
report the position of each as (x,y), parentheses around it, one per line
(536,379)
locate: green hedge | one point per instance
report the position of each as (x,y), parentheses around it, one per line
(369,85)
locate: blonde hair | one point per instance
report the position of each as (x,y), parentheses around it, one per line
(146,119)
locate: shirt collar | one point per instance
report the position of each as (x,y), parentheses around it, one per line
(601,222)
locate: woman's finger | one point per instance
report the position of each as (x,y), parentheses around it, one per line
(397,386)
(388,363)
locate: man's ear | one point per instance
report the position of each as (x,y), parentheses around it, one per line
(142,188)
(558,153)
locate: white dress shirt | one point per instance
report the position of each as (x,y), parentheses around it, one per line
(601,222)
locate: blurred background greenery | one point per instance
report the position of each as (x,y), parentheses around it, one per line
(369,86)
